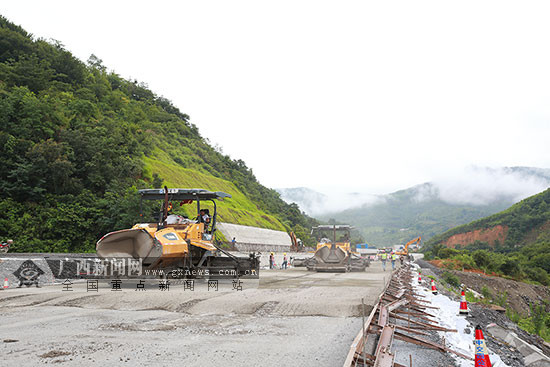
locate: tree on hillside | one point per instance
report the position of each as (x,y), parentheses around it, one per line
(74,139)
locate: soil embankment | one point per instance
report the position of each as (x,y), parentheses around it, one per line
(517,295)
(489,235)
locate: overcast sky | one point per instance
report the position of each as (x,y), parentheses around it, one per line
(363,96)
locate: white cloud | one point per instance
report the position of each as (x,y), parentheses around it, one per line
(315,203)
(337,202)
(355,96)
(469,185)
(481,185)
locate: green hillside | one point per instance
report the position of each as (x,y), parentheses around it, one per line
(526,221)
(77,141)
(524,254)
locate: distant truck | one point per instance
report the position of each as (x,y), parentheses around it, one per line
(362,248)
(364,251)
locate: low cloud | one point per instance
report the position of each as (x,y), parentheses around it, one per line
(315,203)
(470,186)
(482,185)
(339,202)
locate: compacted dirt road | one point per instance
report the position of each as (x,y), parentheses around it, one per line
(288,317)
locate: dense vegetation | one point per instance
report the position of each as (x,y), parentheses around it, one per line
(529,263)
(524,255)
(77,141)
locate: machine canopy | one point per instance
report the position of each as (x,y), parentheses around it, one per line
(182,194)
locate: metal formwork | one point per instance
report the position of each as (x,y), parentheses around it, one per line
(398,301)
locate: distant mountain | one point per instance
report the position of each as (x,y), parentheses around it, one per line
(430,208)
(543,173)
(406,214)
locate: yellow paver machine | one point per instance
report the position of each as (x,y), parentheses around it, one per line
(333,255)
(175,242)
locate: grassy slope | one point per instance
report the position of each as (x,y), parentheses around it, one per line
(239,209)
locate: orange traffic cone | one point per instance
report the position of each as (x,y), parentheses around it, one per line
(463,305)
(419,278)
(434,289)
(482,355)
(6,283)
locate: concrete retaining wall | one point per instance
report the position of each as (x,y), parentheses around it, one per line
(533,356)
(255,239)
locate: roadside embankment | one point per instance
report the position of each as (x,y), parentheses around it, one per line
(516,347)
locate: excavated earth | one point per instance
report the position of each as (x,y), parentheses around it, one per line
(489,235)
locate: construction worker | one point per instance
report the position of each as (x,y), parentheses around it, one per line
(204,217)
(384,257)
(393,259)
(284,264)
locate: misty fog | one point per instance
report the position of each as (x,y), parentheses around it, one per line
(471,185)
